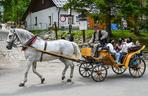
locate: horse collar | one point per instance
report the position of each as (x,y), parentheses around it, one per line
(29,43)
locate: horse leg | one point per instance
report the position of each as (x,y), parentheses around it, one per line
(71,72)
(34,64)
(65,69)
(26,74)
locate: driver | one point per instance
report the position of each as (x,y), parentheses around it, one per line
(99,37)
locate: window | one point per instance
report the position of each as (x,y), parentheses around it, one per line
(36,21)
(77,18)
(49,20)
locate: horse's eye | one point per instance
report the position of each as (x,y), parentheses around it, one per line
(10,36)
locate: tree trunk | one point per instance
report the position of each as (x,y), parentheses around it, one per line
(136,27)
(136,30)
(108,24)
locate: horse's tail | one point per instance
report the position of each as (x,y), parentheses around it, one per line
(77,52)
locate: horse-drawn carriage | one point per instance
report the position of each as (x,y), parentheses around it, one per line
(37,49)
(96,67)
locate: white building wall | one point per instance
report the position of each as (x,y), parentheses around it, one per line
(43,19)
(65,24)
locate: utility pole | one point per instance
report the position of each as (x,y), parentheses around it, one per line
(70,21)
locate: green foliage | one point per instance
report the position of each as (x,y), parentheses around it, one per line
(142,37)
(131,10)
(14,9)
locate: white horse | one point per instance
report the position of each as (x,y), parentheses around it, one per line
(26,38)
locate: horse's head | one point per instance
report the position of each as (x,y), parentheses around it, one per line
(12,40)
(18,37)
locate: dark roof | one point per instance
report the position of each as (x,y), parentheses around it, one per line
(60,3)
(36,5)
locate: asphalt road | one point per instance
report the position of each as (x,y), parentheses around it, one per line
(11,75)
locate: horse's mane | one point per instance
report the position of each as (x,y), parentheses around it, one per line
(23,34)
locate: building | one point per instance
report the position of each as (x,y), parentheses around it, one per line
(41,14)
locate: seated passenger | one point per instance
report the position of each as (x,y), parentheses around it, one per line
(113,51)
(119,45)
(126,45)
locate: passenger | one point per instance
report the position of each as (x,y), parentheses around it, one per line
(113,51)
(119,45)
(138,43)
(126,45)
(99,37)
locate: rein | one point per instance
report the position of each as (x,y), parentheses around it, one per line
(29,43)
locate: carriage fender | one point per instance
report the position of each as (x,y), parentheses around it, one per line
(130,55)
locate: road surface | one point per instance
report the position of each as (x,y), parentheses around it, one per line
(115,85)
(12,66)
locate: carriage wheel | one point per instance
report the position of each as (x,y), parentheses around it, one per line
(99,73)
(119,70)
(137,70)
(85,69)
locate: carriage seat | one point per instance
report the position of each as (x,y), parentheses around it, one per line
(133,49)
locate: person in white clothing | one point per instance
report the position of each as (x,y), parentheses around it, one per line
(126,45)
(113,51)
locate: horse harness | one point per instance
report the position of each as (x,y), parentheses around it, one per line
(30,42)
(45,46)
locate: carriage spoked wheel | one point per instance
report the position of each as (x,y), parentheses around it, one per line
(119,70)
(137,70)
(99,73)
(85,69)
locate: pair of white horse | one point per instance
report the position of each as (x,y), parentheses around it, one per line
(30,42)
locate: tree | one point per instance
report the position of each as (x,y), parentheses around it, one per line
(145,14)
(14,9)
(133,10)
(106,9)
(86,7)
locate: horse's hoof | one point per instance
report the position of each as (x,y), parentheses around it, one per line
(21,85)
(42,80)
(63,77)
(68,80)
